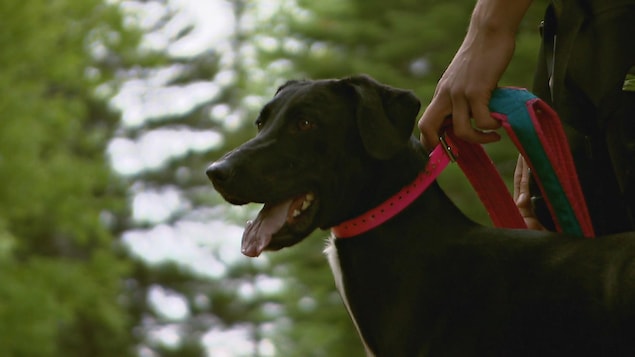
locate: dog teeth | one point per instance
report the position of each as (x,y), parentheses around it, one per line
(308,200)
(306,203)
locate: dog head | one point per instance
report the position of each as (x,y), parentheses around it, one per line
(309,163)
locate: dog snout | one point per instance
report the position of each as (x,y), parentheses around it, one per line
(220,172)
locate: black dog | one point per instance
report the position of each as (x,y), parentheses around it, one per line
(427,282)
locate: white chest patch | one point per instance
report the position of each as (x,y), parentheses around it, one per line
(334,261)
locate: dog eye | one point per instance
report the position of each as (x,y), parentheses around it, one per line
(305,124)
(259,124)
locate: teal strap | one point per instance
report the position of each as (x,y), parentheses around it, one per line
(519,111)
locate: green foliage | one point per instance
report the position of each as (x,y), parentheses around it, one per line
(68,307)
(61,277)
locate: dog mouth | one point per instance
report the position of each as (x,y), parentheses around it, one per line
(280,225)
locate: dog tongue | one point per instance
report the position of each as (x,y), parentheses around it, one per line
(258,233)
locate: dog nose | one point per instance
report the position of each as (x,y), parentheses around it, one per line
(219,171)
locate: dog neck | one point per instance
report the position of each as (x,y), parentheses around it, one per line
(372,268)
(437,162)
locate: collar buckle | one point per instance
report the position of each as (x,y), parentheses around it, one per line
(447,148)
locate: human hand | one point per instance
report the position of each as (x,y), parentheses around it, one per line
(522,196)
(464,90)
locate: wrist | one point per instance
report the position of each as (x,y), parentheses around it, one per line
(489,37)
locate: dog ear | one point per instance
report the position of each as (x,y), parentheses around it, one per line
(287,84)
(385,115)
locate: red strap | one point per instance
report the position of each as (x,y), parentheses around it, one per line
(484,177)
(487,182)
(490,187)
(554,142)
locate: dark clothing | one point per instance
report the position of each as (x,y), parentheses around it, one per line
(592,91)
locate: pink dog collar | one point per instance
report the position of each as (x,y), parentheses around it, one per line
(438,161)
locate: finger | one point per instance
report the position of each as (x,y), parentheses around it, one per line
(521,188)
(463,126)
(522,195)
(431,121)
(482,117)
(518,177)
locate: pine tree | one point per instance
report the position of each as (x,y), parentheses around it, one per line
(60,203)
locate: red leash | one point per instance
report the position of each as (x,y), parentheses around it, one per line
(487,182)
(537,133)
(476,165)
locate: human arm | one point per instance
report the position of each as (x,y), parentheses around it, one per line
(465,88)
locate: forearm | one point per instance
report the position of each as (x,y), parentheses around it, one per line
(491,37)
(498,16)
(465,87)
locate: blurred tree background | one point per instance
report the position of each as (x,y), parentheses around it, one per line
(61,205)
(112,242)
